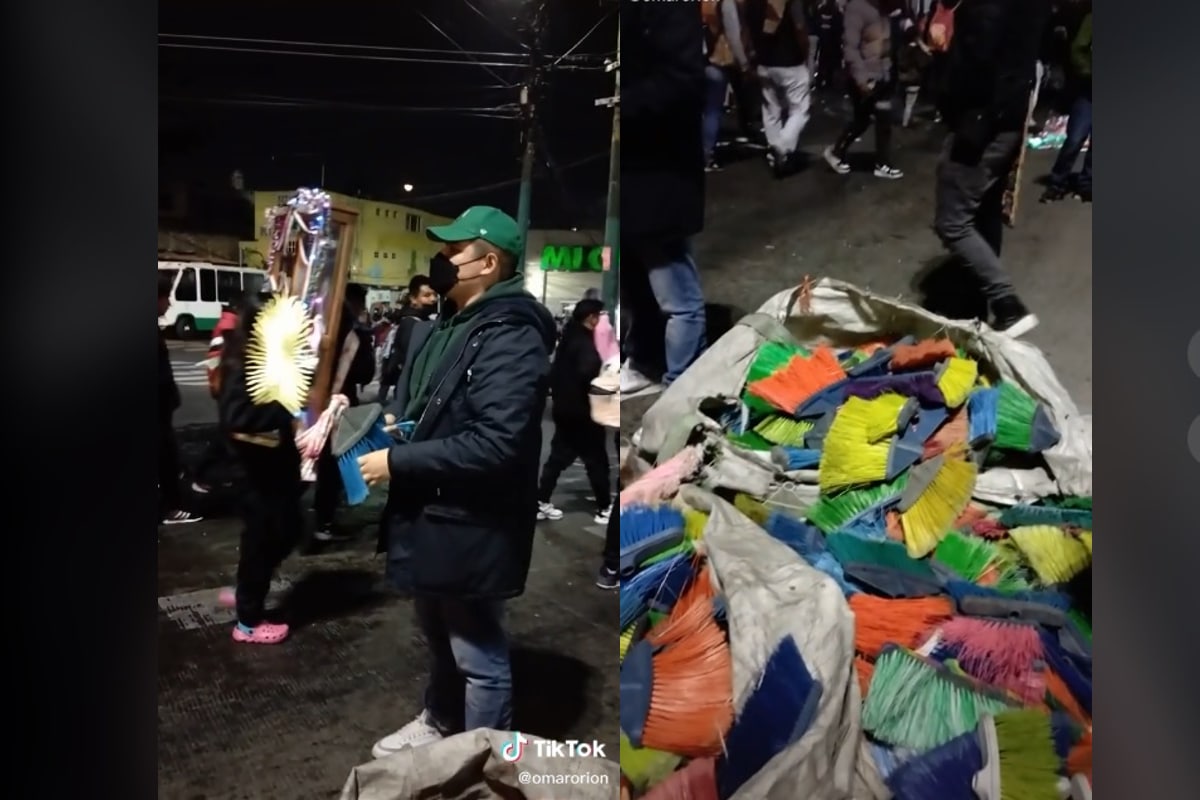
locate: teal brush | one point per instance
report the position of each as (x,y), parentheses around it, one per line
(1022,515)
(832,513)
(883,566)
(360,430)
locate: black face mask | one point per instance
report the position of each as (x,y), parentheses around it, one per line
(443,273)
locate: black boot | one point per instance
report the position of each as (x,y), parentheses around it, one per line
(1009,315)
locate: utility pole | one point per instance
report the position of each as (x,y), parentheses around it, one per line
(612,218)
(529,96)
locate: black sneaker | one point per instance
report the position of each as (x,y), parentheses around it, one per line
(1084,195)
(608,579)
(326,533)
(1052,195)
(1010,316)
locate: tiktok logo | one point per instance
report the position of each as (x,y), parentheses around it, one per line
(515,748)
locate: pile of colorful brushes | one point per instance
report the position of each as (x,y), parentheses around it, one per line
(973,626)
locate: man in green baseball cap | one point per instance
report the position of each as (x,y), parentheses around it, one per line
(462,504)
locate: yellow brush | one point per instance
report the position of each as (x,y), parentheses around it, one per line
(937,492)
(1086,538)
(1055,556)
(754,509)
(693,523)
(849,456)
(280,361)
(627,639)
(956,378)
(784,431)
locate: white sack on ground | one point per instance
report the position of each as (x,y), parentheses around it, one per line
(770,594)
(839,310)
(469,767)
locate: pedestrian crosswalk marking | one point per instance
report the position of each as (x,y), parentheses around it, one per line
(190,373)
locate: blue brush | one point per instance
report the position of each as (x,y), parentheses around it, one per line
(646,532)
(887,759)
(637,686)
(360,430)
(775,716)
(815,439)
(946,772)
(669,590)
(636,591)
(879,362)
(981,416)
(1019,515)
(1066,732)
(809,543)
(909,447)
(828,399)
(870,525)
(1040,607)
(792,458)
(1079,684)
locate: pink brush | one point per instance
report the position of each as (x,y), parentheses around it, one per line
(311,441)
(663,482)
(606,340)
(988,528)
(1001,653)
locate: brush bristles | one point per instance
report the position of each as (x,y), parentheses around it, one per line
(956,379)
(280,361)
(953,433)
(930,518)
(694,523)
(1015,411)
(799,380)
(770,358)
(879,622)
(1001,653)
(784,431)
(1028,762)
(752,507)
(626,640)
(1055,556)
(1086,539)
(849,458)
(831,513)
(691,702)
(883,415)
(974,559)
(922,354)
(910,704)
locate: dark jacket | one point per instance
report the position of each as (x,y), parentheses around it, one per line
(787,44)
(462,502)
(406,321)
(1081,58)
(867,42)
(992,64)
(576,364)
(662,101)
(270,457)
(168,391)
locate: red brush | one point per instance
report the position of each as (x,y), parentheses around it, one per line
(1004,654)
(696,781)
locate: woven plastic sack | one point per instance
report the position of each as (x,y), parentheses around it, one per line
(770,594)
(604,395)
(470,766)
(839,311)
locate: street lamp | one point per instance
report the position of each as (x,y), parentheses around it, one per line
(408,187)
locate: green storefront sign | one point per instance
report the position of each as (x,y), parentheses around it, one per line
(572,258)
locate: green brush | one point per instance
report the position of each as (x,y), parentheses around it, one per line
(884,566)
(750,441)
(1077,503)
(832,513)
(771,358)
(1082,623)
(784,431)
(972,558)
(1020,515)
(1019,760)
(646,767)
(1022,423)
(916,703)
(684,548)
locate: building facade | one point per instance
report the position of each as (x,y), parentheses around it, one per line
(561,265)
(389,246)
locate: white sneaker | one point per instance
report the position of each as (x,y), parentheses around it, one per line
(548,511)
(835,163)
(602,517)
(417,733)
(887,172)
(634,383)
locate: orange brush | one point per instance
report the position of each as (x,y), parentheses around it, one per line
(1079,760)
(696,781)
(895,531)
(878,622)
(1057,688)
(799,380)
(955,432)
(922,354)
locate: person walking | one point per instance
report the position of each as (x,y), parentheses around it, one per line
(1079,125)
(867,48)
(170,498)
(991,71)
(420,305)
(662,191)
(576,436)
(779,32)
(458,526)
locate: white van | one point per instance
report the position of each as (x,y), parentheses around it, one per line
(199,290)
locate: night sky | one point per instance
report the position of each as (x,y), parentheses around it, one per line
(376,123)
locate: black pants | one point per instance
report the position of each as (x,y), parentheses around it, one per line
(829,60)
(612,541)
(328,491)
(270,506)
(169,496)
(583,440)
(873,106)
(747,101)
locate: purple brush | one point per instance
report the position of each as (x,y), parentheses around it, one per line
(921,385)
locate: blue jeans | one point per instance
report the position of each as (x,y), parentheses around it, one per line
(471,676)
(716,81)
(1079,128)
(666,305)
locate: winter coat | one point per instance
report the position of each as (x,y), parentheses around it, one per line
(867,42)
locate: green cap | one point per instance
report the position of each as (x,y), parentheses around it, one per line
(481,222)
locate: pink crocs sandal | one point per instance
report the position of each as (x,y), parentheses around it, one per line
(227,598)
(264,633)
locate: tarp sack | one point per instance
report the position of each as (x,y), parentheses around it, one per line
(469,766)
(844,314)
(771,594)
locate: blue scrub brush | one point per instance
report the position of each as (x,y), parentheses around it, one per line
(793,458)
(981,416)
(636,592)
(809,543)
(648,531)
(946,772)
(360,430)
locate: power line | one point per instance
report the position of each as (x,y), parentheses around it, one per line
(508,111)
(337,45)
(495,26)
(501,184)
(345,56)
(582,39)
(458,46)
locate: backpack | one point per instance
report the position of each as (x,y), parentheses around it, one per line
(362,368)
(939,28)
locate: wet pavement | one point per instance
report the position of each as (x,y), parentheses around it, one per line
(239,723)
(763,235)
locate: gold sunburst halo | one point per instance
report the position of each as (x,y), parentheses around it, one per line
(280,361)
